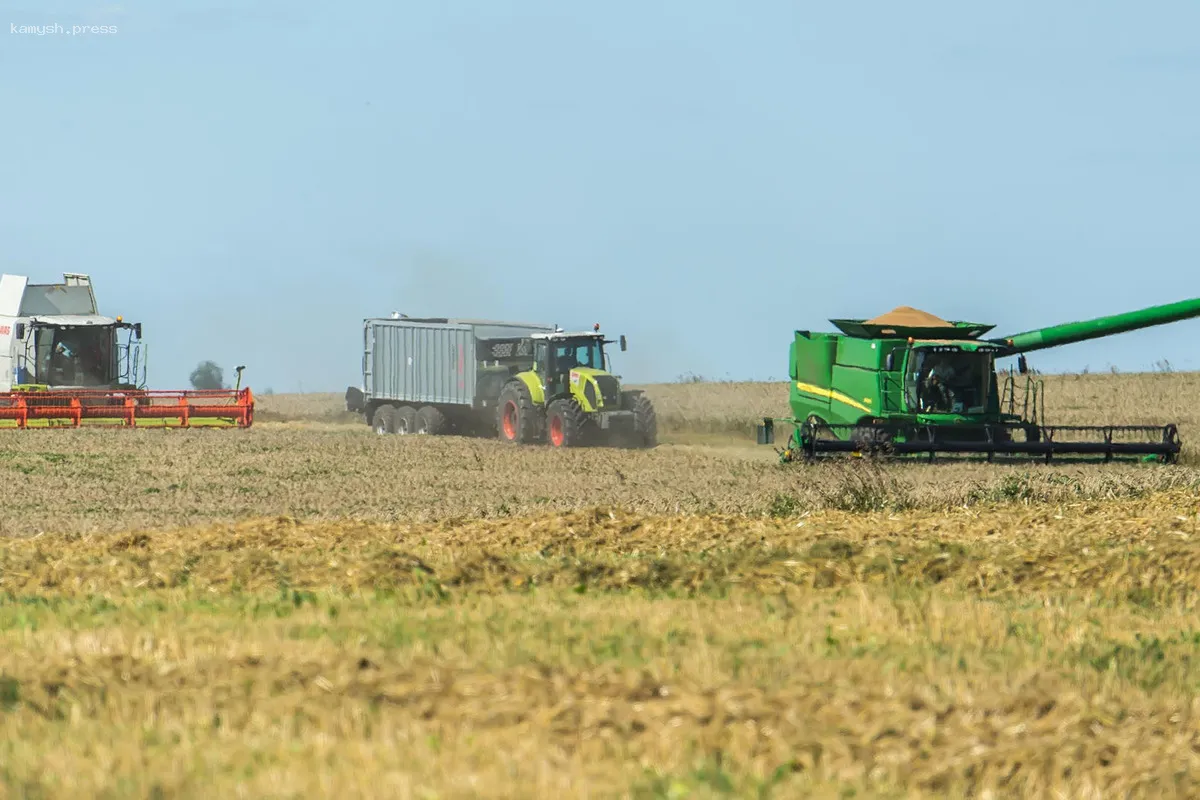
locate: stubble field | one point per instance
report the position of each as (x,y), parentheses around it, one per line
(307,609)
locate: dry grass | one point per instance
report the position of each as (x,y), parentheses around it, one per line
(84,481)
(954,654)
(306,609)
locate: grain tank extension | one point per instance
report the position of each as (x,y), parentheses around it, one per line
(64,364)
(908,382)
(522,382)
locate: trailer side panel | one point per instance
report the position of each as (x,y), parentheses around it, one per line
(421,363)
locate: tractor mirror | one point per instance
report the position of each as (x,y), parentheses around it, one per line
(137,330)
(622,343)
(889,363)
(1022,365)
(19,331)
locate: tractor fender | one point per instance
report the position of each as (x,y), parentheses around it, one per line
(536,393)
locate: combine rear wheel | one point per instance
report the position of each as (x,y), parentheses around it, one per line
(565,423)
(430,421)
(516,417)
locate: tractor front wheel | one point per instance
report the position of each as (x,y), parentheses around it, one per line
(516,416)
(565,423)
(645,422)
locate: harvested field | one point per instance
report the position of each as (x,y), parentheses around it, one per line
(306,609)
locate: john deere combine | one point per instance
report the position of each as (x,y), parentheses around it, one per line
(909,383)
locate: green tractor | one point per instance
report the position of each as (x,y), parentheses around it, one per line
(570,399)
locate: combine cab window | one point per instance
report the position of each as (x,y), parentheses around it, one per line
(948,381)
(75,356)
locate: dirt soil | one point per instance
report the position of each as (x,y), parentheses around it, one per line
(909,317)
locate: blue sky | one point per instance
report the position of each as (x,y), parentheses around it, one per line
(704,177)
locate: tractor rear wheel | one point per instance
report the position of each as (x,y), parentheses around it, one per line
(516,416)
(406,420)
(565,423)
(384,419)
(430,421)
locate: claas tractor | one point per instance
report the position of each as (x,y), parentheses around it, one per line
(911,383)
(568,398)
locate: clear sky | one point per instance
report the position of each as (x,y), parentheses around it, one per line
(252,179)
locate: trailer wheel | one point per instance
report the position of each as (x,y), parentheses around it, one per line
(516,417)
(406,420)
(565,424)
(384,419)
(430,421)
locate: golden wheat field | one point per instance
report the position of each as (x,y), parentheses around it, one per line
(308,609)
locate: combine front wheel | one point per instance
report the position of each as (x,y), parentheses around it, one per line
(871,439)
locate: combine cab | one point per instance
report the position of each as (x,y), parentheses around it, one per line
(909,383)
(63,364)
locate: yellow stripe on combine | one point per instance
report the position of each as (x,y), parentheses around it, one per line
(829,394)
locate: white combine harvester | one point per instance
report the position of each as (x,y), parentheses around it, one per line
(63,363)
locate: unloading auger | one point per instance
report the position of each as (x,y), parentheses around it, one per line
(910,383)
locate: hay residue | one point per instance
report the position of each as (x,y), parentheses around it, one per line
(909,317)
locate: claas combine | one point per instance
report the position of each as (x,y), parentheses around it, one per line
(910,383)
(63,364)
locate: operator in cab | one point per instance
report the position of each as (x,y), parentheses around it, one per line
(937,393)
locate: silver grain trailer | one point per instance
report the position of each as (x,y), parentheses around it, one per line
(438,375)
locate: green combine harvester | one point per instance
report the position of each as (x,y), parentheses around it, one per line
(910,383)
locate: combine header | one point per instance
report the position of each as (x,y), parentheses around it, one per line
(909,383)
(63,364)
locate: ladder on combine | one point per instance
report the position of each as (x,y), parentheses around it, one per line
(1033,409)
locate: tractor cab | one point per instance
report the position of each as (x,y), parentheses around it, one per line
(562,359)
(559,353)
